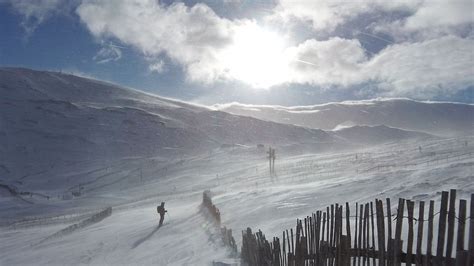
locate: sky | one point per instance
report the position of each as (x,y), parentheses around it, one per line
(287,52)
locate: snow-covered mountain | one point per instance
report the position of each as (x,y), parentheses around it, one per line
(70,147)
(377,134)
(438,118)
(53,122)
(50,120)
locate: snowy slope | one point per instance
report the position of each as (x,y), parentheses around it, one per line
(437,118)
(71,147)
(378,134)
(60,132)
(52,121)
(246,196)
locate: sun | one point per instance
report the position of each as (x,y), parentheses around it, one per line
(256,57)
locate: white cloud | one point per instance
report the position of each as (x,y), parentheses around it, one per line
(335,61)
(108,52)
(437,13)
(200,41)
(35,12)
(421,19)
(157,67)
(191,36)
(431,68)
(327,14)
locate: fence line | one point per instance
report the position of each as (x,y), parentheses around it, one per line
(226,233)
(331,237)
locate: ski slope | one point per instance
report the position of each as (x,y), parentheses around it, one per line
(246,195)
(71,147)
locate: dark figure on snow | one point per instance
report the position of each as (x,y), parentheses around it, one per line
(161,210)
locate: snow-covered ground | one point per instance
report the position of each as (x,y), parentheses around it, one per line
(246,195)
(71,147)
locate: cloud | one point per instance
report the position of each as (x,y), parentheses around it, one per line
(403,18)
(190,36)
(334,61)
(432,19)
(430,68)
(437,67)
(441,13)
(35,12)
(198,40)
(108,52)
(327,14)
(157,67)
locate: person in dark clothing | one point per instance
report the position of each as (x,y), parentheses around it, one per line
(161,210)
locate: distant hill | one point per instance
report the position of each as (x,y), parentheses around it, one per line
(56,128)
(437,118)
(49,119)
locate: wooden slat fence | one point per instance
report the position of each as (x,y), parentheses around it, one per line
(226,233)
(365,236)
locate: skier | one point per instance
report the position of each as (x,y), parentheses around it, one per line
(161,210)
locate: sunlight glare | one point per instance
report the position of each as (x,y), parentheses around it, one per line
(256,57)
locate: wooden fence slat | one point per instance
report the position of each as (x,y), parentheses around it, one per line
(306,228)
(284,250)
(397,249)
(327,225)
(318,229)
(338,228)
(389,235)
(461,225)
(324,226)
(380,232)
(365,219)
(355,232)
(348,223)
(442,227)
(397,254)
(292,242)
(308,247)
(451,217)
(359,240)
(471,233)
(373,228)
(370,216)
(398,228)
(419,238)
(410,208)
(331,235)
(429,243)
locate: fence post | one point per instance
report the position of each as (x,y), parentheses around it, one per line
(461,254)
(442,227)
(410,207)
(451,216)
(429,243)
(471,233)
(359,240)
(355,234)
(380,232)
(419,238)
(389,236)
(397,248)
